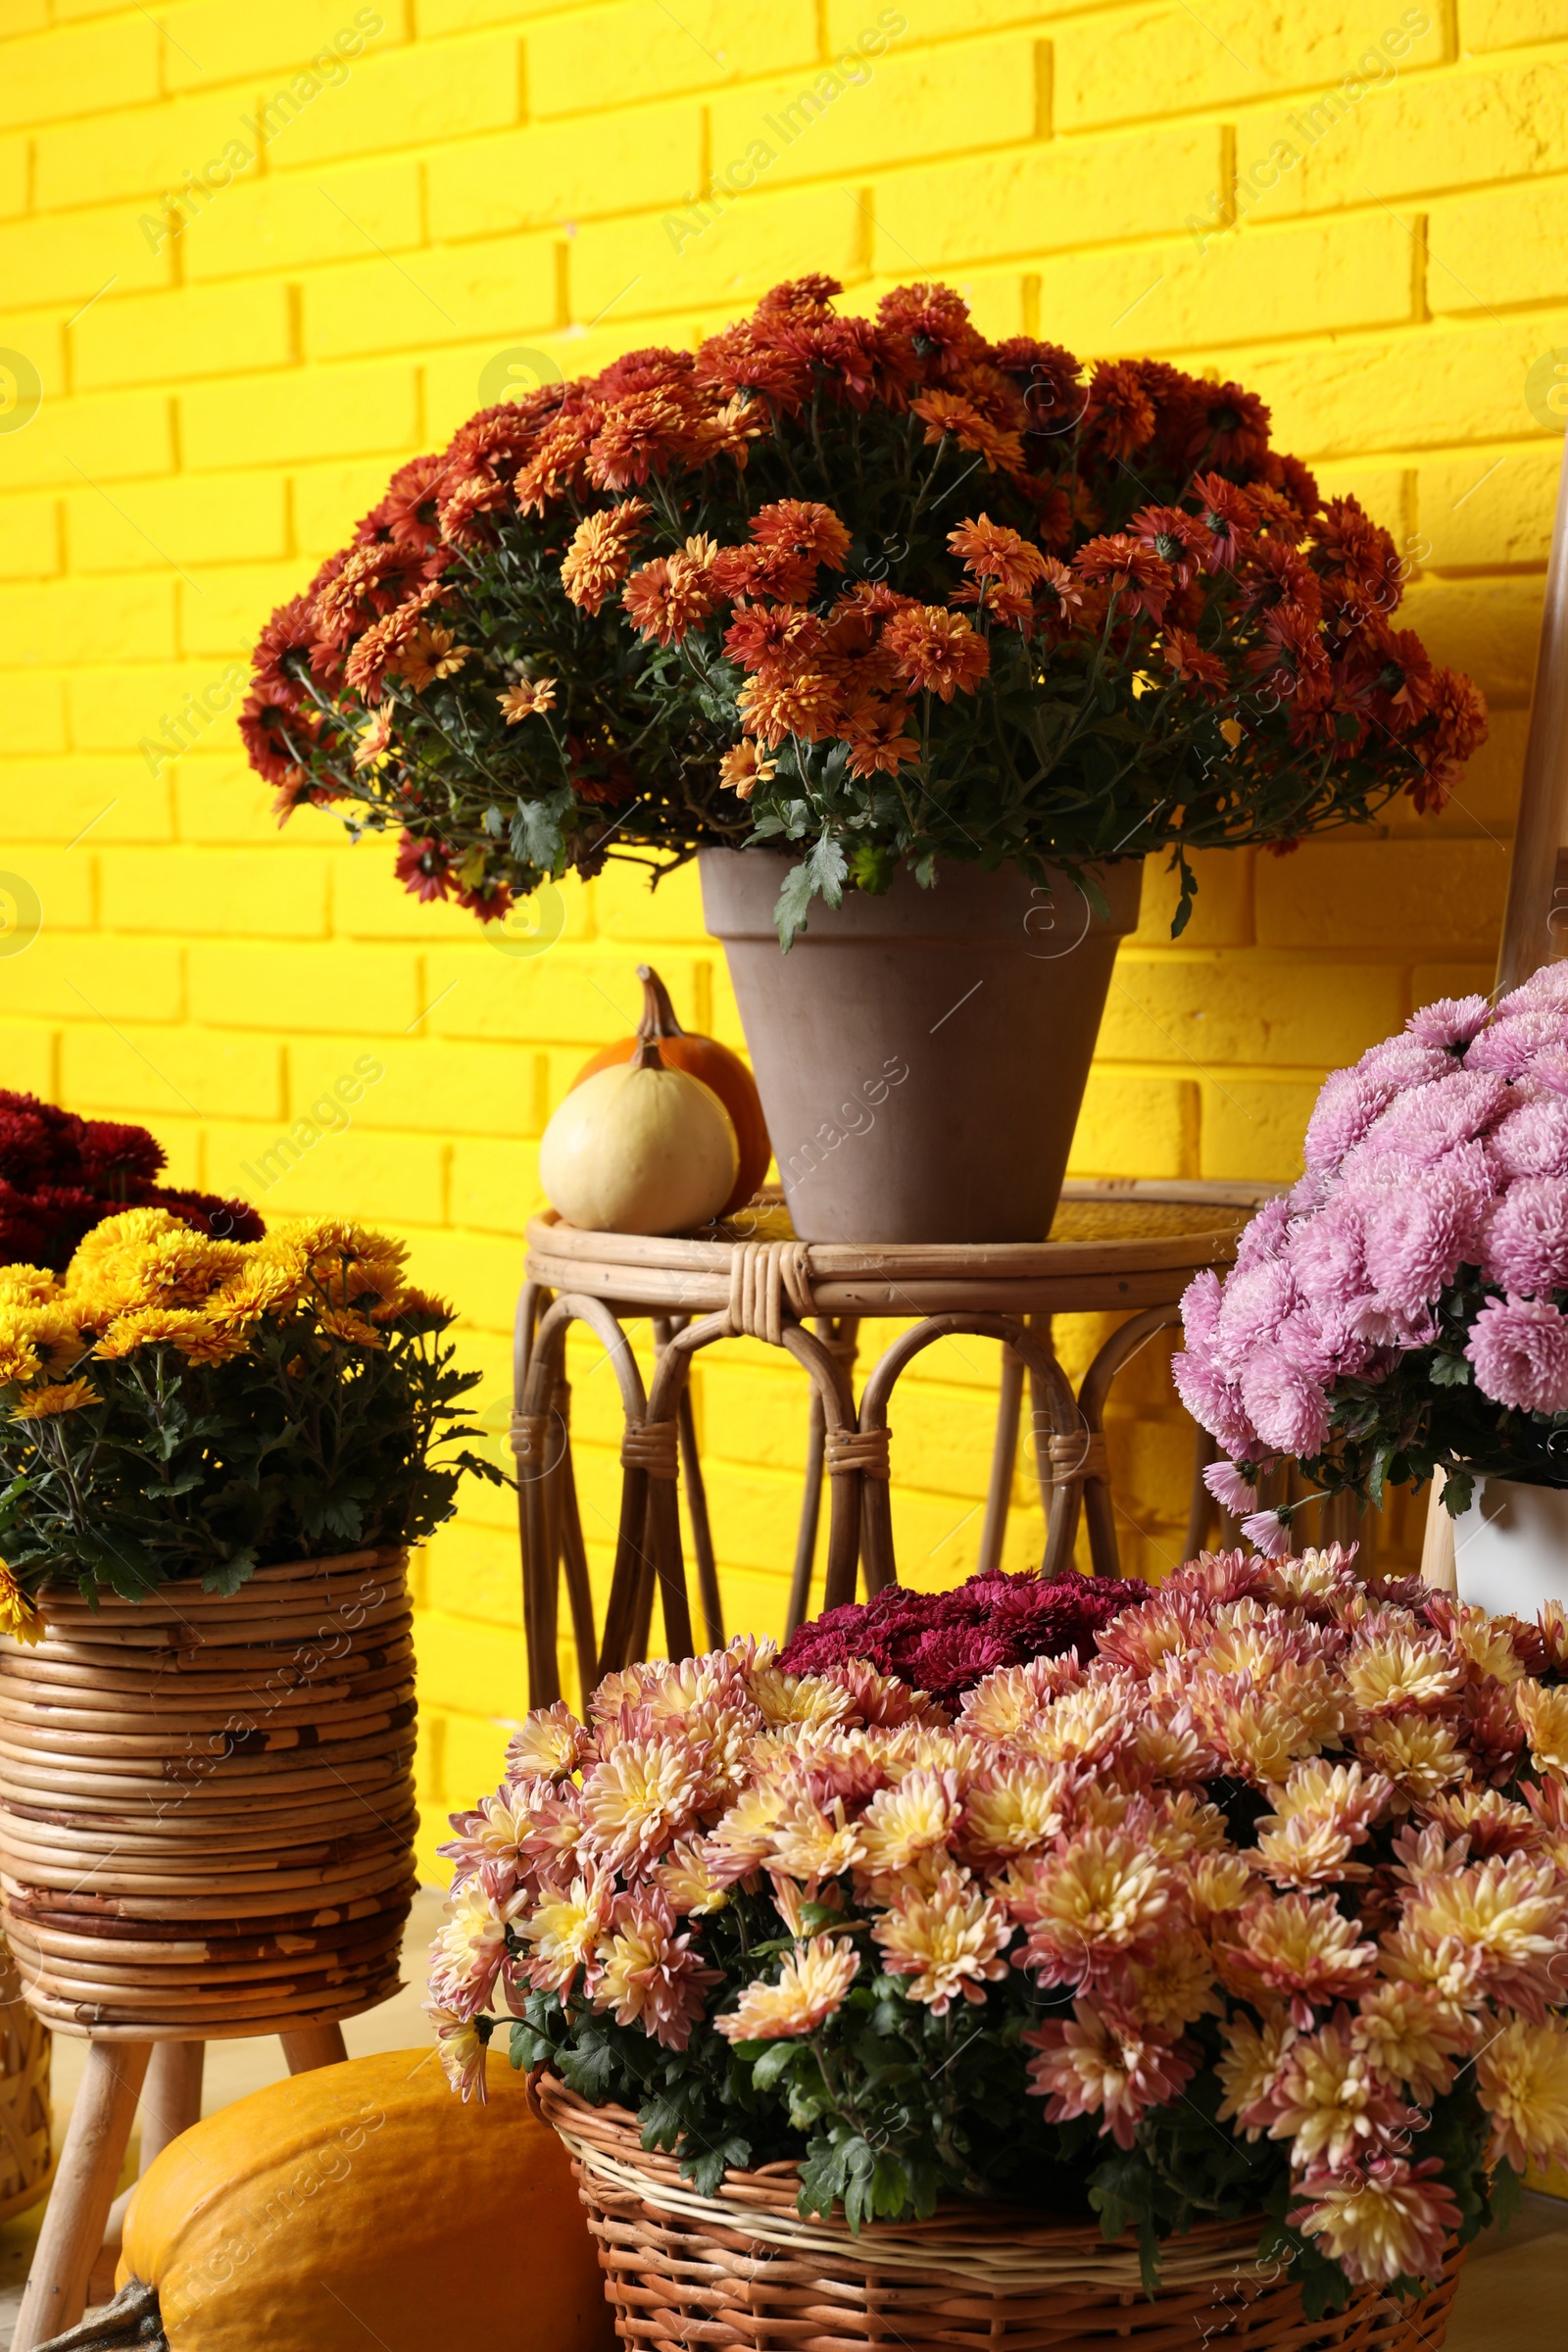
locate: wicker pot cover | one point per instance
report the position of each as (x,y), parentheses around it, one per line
(207,1804)
(743,2270)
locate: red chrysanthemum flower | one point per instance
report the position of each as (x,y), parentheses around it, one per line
(1129,570)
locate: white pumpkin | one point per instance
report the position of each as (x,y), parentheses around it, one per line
(639,1149)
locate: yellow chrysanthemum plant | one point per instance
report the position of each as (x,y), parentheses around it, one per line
(1256,1904)
(176,1405)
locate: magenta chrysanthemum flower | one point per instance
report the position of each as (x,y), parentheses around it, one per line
(1450,1020)
(1519,1349)
(1288,1408)
(1523,1243)
(1532,1141)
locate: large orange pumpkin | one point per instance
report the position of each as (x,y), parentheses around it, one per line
(365,2203)
(702,1057)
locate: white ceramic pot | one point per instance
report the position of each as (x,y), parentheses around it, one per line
(1511,1547)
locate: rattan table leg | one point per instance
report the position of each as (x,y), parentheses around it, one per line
(811,1518)
(1004,1462)
(170,2102)
(84,2187)
(310,2047)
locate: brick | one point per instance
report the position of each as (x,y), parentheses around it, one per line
(494,1184)
(330,500)
(315,989)
(56,799)
(121,621)
(504,288)
(480,1272)
(1501,246)
(64,882)
(1141,1125)
(1489,507)
(287,223)
(297,1169)
(1429,895)
(1222,912)
(1042,198)
(1504,23)
(30,538)
(148,157)
(406,98)
(1413,134)
(1487,793)
(15,172)
(217,1077)
(821,123)
(226,892)
(581,999)
(432,1087)
(475,1574)
(625,54)
(27,1056)
(548,173)
(1204,1013)
(106,439)
(94,980)
(1163,60)
(220,800)
(1329,276)
(322,413)
(1487,627)
(223,608)
(168,338)
(70,256)
(849,19)
(369,902)
(157,710)
(72,72)
(447,1676)
(1253,1129)
(183,520)
(36,715)
(650,265)
(1436,388)
(624,907)
(231,43)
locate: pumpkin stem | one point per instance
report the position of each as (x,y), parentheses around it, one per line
(132,2318)
(659,1014)
(645,1053)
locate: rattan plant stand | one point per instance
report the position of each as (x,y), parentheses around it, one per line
(742,2271)
(1119,1247)
(207,1824)
(27,2137)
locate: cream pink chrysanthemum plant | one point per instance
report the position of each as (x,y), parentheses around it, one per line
(1258,1904)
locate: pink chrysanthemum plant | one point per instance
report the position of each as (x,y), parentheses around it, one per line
(1403,1309)
(1258,1905)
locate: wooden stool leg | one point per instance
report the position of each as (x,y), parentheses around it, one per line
(1004,1462)
(84,2187)
(312,2046)
(170,2102)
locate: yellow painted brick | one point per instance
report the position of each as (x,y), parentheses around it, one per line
(567,997)
(284,223)
(1501,24)
(185,520)
(1489,507)
(30,538)
(626,907)
(1436,388)
(14,173)
(549,175)
(369,902)
(168,338)
(70,257)
(217,1077)
(151,151)
(62,880)
(94,980)
(472,1752)
(230,892)
(1253,1129)
(480,1272)
(123,620)
(495,1186)
(220,800)
(328,500)
(1412,134)
(407,96)
(475,1573)
(849,19)
(622,53)
(231,42)
(1163,60)
(316,989)
(60,799)
(106,439)
(299,1169)
(437,16)
(318,413)
(434,1087)
(1042,198)
(1501,246)
(1222,912)
(36,715)
(28,1059)
(1337,894)
(503,288)
(222,609)
(1231,1009)
(821,123)
(1327,275)
(156,708)
(654,264)
(1487,627)
(447,1675)
(1135,1126)
(73,71)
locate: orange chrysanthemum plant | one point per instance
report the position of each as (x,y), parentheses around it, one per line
(1259,1906)
(879,592)
(176,1405)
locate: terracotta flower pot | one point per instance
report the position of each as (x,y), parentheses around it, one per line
(1510,1547)
(921,1056)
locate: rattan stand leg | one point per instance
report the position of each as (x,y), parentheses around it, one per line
(313,2046)
(84,2187)
(170,2102)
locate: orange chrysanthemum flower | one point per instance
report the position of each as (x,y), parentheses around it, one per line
(599,557)
(937,651)
(528,696)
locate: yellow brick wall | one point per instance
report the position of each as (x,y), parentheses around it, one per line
(228,377)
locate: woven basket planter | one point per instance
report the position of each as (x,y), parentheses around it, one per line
(743,2270)
(207,1804)
(26,2145)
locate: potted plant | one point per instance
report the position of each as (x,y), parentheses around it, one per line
(1166,1964)
(60,1175)
(1401,1313)
(921,643)
(213,1456)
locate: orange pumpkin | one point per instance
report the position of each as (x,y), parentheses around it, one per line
(702,1057)
(365,2203)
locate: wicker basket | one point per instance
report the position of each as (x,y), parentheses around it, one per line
(206,1802)
(743,2270)
(27,2147)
